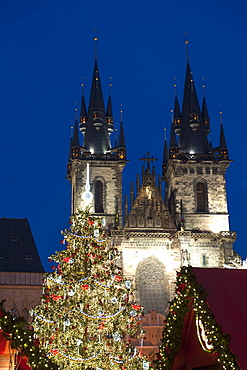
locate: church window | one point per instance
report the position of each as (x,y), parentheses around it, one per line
(204,260)
(185,170)
(201,197)
(207,170)
(98,198)
(199,170)
(191,170)
(152,285)
(215,170)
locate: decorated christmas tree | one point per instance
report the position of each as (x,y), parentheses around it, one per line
(87,306)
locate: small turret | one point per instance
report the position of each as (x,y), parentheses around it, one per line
(173,151)
(223,150)
(109,115)
(121,146)
(83,113)
(205,116)
(177,117)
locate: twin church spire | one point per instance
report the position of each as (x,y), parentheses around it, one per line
(96,125)
(190,127)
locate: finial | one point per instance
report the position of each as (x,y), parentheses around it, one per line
(76,112)
(121,112)
(95,45)
(82,84)
(171,111)
(165,130)
(148,159)
(110,86)
(71,129)
(175,86)
(203,87)
(221,121)
(187,48)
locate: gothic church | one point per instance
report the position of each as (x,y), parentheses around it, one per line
(156,235)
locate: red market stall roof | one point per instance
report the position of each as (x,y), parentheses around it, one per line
(227,300)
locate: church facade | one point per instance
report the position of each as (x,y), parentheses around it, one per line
(156,236)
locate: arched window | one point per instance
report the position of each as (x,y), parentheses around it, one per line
(201,197)
(152,285)
(98,197)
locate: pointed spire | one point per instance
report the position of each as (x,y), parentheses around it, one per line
(121,139)
(121,147)
(96,138)
(173,140)
(75,138)
(177,117)
(222,137)
(75,142)
(165,155)
(193,137)
(223,150)
(205,115)
(83,113)
(109,114)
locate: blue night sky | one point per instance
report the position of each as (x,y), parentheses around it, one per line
(47,46)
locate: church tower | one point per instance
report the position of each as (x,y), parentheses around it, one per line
(95,168)
(194,171)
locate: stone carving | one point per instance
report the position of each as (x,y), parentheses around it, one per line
(152,285)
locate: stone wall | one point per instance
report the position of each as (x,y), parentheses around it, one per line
(21,291)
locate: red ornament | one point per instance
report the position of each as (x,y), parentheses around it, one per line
(66,259)
(56,297)
(85,287)
(136,307)
(118,278)
(101,326)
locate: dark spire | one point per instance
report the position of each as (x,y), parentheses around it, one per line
(75,138)
(75,148)
(121,147)
(223,150)
(177,117)
(165,156)
(121,138)
(173,140)
(205,116)
(83,113)
(222,137)
(193,137)
(109,115)
(96,138)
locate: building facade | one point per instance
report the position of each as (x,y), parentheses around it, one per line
(156,235)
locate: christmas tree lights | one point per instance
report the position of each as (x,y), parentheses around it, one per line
(87,306)
(21,337)
(191,295)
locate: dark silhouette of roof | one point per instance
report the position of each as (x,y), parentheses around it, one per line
(18,252)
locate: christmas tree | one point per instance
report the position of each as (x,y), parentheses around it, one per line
(87,306)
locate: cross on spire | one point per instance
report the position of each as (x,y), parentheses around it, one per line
(148,159)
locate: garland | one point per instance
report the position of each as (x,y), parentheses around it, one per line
(191,295)
(21,337)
